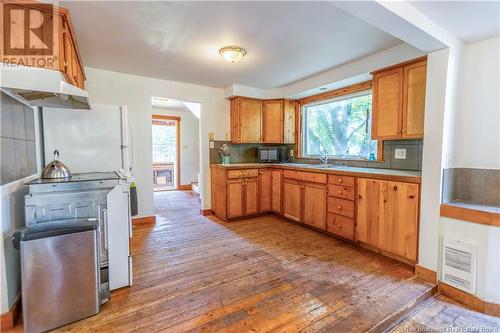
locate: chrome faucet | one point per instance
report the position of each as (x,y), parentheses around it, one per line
(323,158)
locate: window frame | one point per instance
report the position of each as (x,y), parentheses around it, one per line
(326,97)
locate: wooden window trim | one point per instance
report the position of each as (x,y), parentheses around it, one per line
(178,143)
(358,87)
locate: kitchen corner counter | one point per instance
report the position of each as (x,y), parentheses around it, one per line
(375,173)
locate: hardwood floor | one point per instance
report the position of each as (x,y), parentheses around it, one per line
(199,274)
(444,315)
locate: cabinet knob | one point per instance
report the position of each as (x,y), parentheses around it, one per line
(403,131)
(339,226)
(359,196)
(411,196)
(339,207)
(340,180)
(395,188)
(340,191)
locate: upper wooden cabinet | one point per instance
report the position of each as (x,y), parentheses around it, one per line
(56,47)
(262,121)
(399,101)
(246,120)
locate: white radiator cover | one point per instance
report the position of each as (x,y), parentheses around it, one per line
(458,265)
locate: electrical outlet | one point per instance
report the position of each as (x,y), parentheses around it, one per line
(400,154)
(212,144)
(291,152)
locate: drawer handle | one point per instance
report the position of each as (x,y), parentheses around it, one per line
(339,207)
(339,226)
(340,191)
(395,188)
(340,180)
(411,196)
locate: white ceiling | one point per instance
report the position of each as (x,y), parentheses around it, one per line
(286,41)
(468,20)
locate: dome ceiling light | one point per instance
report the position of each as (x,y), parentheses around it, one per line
(232,54)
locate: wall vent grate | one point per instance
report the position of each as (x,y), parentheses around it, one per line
(459,264)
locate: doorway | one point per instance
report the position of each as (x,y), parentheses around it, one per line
(166,152)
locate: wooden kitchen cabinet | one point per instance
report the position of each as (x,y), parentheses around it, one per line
(276,191)
(387,216)
(399,101)
(62,54)
(250,196)
(292,199)
(246,120)
(262,121)
(265,190)
(305,201)
(272,121)
(242,197)
(314,199)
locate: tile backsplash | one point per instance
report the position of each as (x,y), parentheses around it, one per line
(247,153)
(478,186)
(17,139)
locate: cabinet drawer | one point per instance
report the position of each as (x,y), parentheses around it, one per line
(340,225)
(231,174)
(306,176)
(341,180)
(341,207)
(342,192)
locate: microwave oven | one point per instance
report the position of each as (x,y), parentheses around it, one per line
(273,154)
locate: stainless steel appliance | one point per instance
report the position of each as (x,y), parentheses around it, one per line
(273,154)
(86,196)
(59,273)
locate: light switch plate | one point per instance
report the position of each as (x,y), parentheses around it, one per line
(212,144)
(400,154)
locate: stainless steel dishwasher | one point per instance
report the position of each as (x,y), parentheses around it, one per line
(59,273)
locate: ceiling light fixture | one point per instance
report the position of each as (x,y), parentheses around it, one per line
(232,54)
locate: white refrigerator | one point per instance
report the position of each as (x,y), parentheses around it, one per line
(98,140)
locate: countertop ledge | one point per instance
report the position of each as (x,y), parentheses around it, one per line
(384,174)
(471,212)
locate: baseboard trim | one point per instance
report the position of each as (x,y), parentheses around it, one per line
(468,299)
(144,219)
(9,319)
(426,274)
(206,212)
(187,187)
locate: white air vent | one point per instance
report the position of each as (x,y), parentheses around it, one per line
(459,265)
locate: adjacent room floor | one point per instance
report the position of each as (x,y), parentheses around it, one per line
(193,273)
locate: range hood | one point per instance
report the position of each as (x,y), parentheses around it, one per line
(42,87)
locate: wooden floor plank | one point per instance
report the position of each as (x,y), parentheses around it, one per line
(198,274)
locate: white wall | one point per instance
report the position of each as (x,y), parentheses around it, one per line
(477,129)
(106,87)
(189,145)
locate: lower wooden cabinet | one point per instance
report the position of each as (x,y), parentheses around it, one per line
(340,225)
(305,202)
(292,199)
(276,191)
(388,216)
(265,190)
(242,197)
(314,205)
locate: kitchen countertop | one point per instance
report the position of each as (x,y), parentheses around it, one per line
(388,174)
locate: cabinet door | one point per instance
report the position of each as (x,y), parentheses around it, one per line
(251,196)
(235,198)
(292,199)
(272,121)
(235,120)
(398,222)
(276,191)
(289,122)
(265,190)
(250,120)
(414,100)
(368,211)
(315,205)
(387,104)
